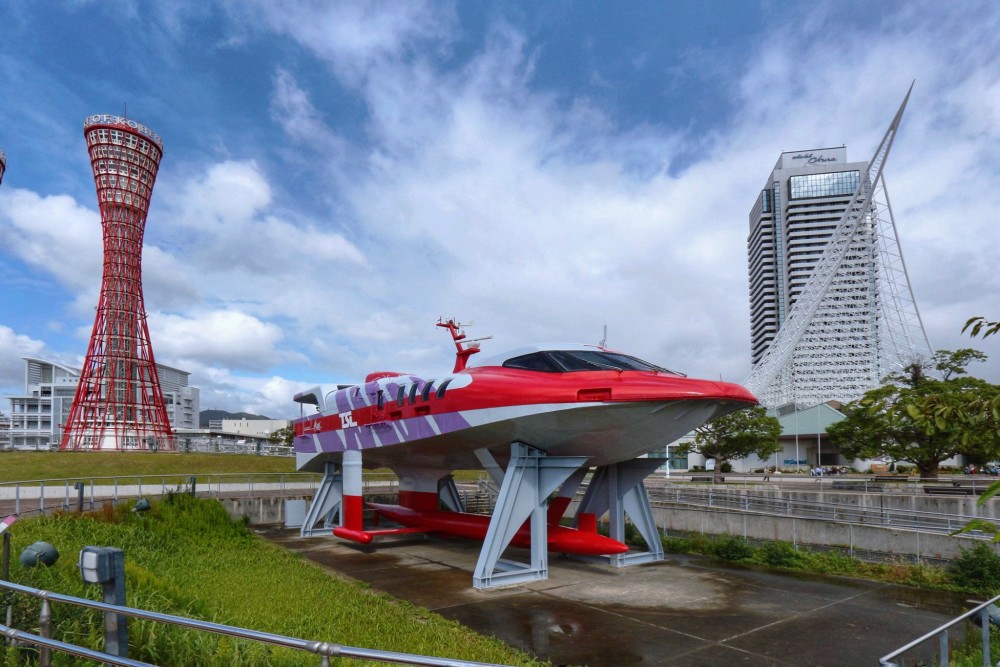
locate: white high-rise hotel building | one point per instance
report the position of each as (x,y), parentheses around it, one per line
(795,214)
(832,311)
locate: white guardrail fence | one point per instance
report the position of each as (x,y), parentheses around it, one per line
(46,495)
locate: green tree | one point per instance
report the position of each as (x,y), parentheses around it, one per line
(735,436)
(923,419)
(980,324)
(283,436)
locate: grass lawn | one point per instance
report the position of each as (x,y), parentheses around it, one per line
(187,557)
(23,466)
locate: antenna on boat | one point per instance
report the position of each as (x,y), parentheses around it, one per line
(464,348)
(604,341)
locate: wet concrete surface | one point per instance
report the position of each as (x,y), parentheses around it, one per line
(684,611)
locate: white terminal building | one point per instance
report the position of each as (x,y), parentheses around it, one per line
(38,415)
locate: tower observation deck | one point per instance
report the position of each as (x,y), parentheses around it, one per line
(119,402)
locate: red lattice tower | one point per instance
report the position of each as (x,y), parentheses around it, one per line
(3,165)
(119,403)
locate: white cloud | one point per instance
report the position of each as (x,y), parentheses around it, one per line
(55,234)
(354,37)
(222,389)
(227,194)
(229,337)
(13,347)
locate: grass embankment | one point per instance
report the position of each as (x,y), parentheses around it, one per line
(20,466)
(187,557)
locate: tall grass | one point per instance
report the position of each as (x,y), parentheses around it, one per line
(187,557)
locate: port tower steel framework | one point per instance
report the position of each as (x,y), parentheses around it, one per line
(119,403)
(3,165)
(856,320)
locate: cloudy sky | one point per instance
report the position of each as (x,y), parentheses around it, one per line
(336,176)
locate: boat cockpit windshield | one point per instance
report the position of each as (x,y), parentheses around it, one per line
(571,361)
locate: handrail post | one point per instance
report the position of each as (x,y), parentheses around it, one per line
(943,648)
(41,497)
(45,630)
(986,636)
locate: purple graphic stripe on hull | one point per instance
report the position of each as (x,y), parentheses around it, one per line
(364,437)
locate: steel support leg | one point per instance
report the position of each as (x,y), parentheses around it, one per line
(449,495)
(530,477)
(618,490)
(327,502)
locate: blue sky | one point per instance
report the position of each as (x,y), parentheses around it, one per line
(336,176)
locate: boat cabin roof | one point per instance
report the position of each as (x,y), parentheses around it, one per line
(566,358)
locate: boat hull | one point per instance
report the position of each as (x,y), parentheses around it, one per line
(603,432)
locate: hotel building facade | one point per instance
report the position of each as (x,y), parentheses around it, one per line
(793,218)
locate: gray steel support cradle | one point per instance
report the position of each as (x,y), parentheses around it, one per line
(618,489)
(530,478)
(525,486)
(327,502)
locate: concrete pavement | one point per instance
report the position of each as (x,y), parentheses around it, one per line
(685,611)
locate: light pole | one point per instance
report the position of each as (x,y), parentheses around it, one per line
(668,458)
(796,438)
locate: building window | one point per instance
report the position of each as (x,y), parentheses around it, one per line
(824,185)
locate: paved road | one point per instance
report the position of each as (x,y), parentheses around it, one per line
(683,612)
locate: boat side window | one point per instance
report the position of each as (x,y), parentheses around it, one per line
(591,360)
(381,399)
(413,393)
(426,393)
(536,361)
(443,387)
(400,395)
(572,362)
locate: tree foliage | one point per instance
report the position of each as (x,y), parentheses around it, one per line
(282,436)
(923,419)
(980,324)
(736,436)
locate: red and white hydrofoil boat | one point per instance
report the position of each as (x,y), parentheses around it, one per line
(534,418)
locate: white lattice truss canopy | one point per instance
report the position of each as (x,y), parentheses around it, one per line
(855,321)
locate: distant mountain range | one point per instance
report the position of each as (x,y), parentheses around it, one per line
(206,416)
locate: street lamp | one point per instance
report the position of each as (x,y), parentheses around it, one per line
(668,458)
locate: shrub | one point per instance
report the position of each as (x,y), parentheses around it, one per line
(733,548)
(977,570)
(726,467)
(780,554)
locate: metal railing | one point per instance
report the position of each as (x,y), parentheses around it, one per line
(861,482)
(717,497)
(46,495)
(324,650)
(941,633)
